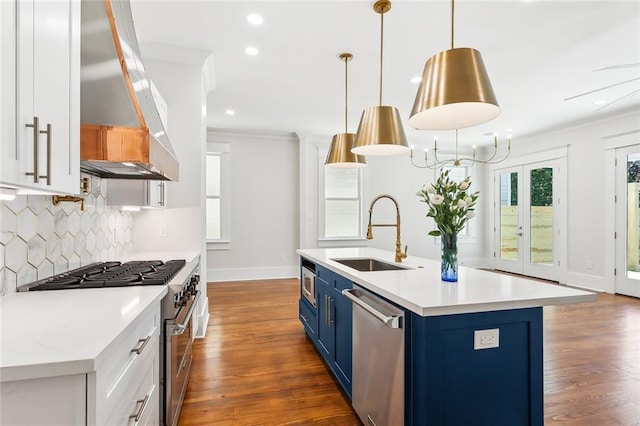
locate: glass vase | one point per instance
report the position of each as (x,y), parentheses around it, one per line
(449,260)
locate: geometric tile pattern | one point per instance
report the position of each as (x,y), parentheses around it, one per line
(38,239)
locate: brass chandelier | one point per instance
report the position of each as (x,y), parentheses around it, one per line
(455,91)
(458,160)
(340,155)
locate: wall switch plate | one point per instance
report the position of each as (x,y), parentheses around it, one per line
(486,339)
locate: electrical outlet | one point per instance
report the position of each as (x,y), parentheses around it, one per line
(589,264)
(163,231)
(486,339)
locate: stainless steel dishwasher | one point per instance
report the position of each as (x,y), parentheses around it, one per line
(378,359)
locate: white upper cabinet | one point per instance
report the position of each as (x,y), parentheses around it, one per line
(40,133)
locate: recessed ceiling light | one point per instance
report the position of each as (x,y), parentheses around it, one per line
(251,51)
(254,19)
(600,102)
(416,79)
(229,112)
(509,130)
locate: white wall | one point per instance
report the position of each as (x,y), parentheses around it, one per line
(183,88)
(264,207)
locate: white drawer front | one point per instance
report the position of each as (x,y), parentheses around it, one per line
(138,397)
(130,372)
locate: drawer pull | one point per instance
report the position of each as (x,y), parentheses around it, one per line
(144,402)
(143,343)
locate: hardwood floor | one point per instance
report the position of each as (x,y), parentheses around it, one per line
(256,367)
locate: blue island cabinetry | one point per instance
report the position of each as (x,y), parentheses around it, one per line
(452,375)
(329,324)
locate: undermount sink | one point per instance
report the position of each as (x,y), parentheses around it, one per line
(370,265)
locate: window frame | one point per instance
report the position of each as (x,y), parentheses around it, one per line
(224,152)
(323,239)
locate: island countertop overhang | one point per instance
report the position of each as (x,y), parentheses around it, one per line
(421,291)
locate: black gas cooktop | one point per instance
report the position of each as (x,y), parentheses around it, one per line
(112,274)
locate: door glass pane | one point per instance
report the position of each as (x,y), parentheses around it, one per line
(541,250)
(342,218)
(509,216)
(633,216)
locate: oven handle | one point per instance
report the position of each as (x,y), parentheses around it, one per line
(176,329)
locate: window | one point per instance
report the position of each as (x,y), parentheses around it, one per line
(217,190)
(214,228)
(342,203)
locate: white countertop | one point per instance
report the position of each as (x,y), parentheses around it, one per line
(420,290)
(52,333)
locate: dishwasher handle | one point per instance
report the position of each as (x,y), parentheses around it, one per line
(391,321)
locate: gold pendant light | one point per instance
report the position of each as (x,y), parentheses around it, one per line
(455,91)
(380,131)
(340,155)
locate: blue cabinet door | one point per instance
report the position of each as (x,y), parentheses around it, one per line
(334,324)
(343,313)
(309,318)
(325,325)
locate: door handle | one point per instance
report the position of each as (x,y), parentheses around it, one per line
(519,234)
(392,321)
(36,153)
(48,133)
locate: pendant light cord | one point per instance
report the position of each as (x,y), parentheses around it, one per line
(381,51)
(452,14)
(346,88)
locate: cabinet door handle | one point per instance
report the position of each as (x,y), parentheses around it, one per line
(48,133)
(36,154)
(329,320)
(138,350)
(162,194)
(137,415)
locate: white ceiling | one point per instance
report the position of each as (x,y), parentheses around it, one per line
(536,52)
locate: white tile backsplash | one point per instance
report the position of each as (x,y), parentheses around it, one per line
(38,239)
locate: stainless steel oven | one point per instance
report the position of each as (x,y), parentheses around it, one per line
(308,282)
(179,307)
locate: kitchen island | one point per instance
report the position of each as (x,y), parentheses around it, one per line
(452,375)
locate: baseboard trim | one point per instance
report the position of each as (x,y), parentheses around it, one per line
(245,274)
(590,282)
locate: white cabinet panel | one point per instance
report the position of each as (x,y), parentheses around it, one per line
(48,401)
(42,43)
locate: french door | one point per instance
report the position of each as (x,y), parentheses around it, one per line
(530,219)
(627,278)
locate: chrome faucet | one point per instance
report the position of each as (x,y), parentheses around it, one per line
(399,254)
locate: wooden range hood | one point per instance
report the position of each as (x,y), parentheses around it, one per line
(122,135)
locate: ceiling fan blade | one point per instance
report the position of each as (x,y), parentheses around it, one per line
(602,88)
(616,67)
(619,99)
